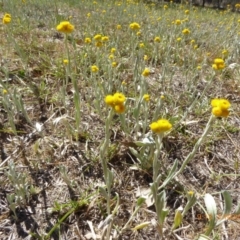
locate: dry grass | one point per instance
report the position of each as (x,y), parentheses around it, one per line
(51,165)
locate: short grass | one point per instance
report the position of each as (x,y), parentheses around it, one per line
(53,120)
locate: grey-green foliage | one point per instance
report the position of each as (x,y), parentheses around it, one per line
(22,188)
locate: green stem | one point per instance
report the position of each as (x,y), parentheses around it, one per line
(196,146)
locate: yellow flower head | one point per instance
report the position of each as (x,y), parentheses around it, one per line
(113,50)
(5,91)
(6,18)
(119,27)
(179,39)
(178,22)
(97,37)
(225,52)
(94,68)
(186,31)
(141,45)
(157,39)
(218,64)
(134,26)
(145,57)
(65,27)
(111,56)
(161,126)
(146,97)
(65,61)
(220,107)
(114,64)
(87,40)
(119,108)
(165,7)
(146,72)
(186,12)
(105,38)
(116,101)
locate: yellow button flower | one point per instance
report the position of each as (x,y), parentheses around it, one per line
(105,38)
(94,68)
(116,101)
(178,22)
(134,26)
(97,37)
(220,107)
(146,97)
(218,64)
(6,18)
(146,72)
(161,126)
(87,40)
(186,31)
(157,39)
(65,27)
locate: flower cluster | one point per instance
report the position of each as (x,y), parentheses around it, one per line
(65,27)
(220,107)
(6,18)
(116,101)
(134,26)
(161,126)
(218,64)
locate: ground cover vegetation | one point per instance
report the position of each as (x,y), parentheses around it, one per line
(119,120)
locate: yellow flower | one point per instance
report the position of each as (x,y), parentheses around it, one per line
(178,22)
(65,61)
(105,38)
(111,56)
(186,31)
(6,18)
(186,12)
(119,108)
(157,39)
(116,101)
(134,26)
(98,44)
(119,27)
(225,52)
(87,40)
(161,126)
(139,33)
(5,91)
(199,67)
(179,39)
(218,64)
(97,37)
(145,57)
(89,15)
(65,27)
(114,64)
(220,107)
(146,72)
(192,41)
(146,97)
(141,45)
(94,68)
(119,98)
(113,50)
(165,7)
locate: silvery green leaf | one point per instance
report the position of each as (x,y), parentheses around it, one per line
(212,212)
(146,141)
(103,192)
(227,202)
(203,237)
(211,206)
